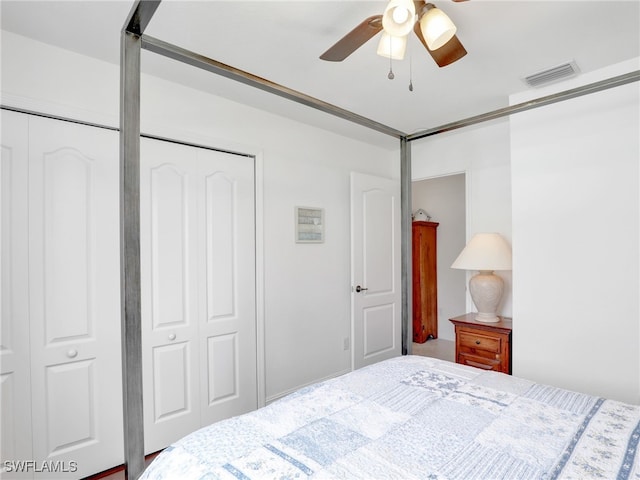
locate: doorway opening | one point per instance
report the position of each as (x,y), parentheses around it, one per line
(444,200)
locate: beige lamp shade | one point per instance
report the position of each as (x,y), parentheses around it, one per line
(485,252)
(392,47)
(437,28)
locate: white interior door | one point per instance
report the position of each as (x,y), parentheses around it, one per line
(74,296)
(375,269)
(198,285)
(15,383)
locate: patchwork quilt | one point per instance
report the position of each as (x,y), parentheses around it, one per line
(416,418)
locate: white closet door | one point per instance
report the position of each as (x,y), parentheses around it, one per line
(169,272)
(227,285)
(74,296)
(198,288)
(15,387)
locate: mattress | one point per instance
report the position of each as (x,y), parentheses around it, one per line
(416,418)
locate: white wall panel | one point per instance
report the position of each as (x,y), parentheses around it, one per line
(576,240)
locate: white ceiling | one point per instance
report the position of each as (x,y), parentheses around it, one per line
(282,40)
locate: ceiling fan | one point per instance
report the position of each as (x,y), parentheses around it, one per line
(431,25)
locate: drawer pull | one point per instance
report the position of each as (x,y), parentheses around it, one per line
(477,342)
(73,353)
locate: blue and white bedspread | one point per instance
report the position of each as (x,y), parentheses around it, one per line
(416,418)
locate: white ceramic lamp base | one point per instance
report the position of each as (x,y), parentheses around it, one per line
(486,291)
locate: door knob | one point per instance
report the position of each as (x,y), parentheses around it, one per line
(360,289)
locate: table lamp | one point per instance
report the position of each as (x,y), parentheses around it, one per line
(485,252)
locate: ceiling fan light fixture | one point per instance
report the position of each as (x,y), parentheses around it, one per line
(392,47)
(399,17)
(437,28)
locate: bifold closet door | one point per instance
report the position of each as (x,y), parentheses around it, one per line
(198,288)
(227,320)
(15,383)
(74,296)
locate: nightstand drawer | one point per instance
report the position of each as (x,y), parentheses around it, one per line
(485,345)
(477,341)
(479,362)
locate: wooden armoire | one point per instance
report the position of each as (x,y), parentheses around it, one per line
(425,285)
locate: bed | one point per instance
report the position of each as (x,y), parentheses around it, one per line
(416,418)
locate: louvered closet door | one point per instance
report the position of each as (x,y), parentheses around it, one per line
(75,296)
(198,286)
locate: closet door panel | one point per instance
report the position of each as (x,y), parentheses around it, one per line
(220,217)
(67,214)
(171,209)
(228,323)
(171,381)
(222,368)
(74,295)
(15,384)
(169,292)
(74,422)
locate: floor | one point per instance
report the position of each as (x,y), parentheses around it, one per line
(436,347)
(117,473)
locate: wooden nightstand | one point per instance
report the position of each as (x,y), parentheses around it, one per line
(483,345)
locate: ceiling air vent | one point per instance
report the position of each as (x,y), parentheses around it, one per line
(550,75)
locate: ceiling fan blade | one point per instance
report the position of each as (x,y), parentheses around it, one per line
(353,40)
(446,54)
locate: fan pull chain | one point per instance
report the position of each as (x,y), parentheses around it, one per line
(390,76)
(410,75)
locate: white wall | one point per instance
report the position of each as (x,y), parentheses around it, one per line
(575,228)
(444,199)
(576,239)
(482,153)
(306,287)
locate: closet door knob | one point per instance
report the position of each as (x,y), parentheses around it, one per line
(360,289)
(72,353)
